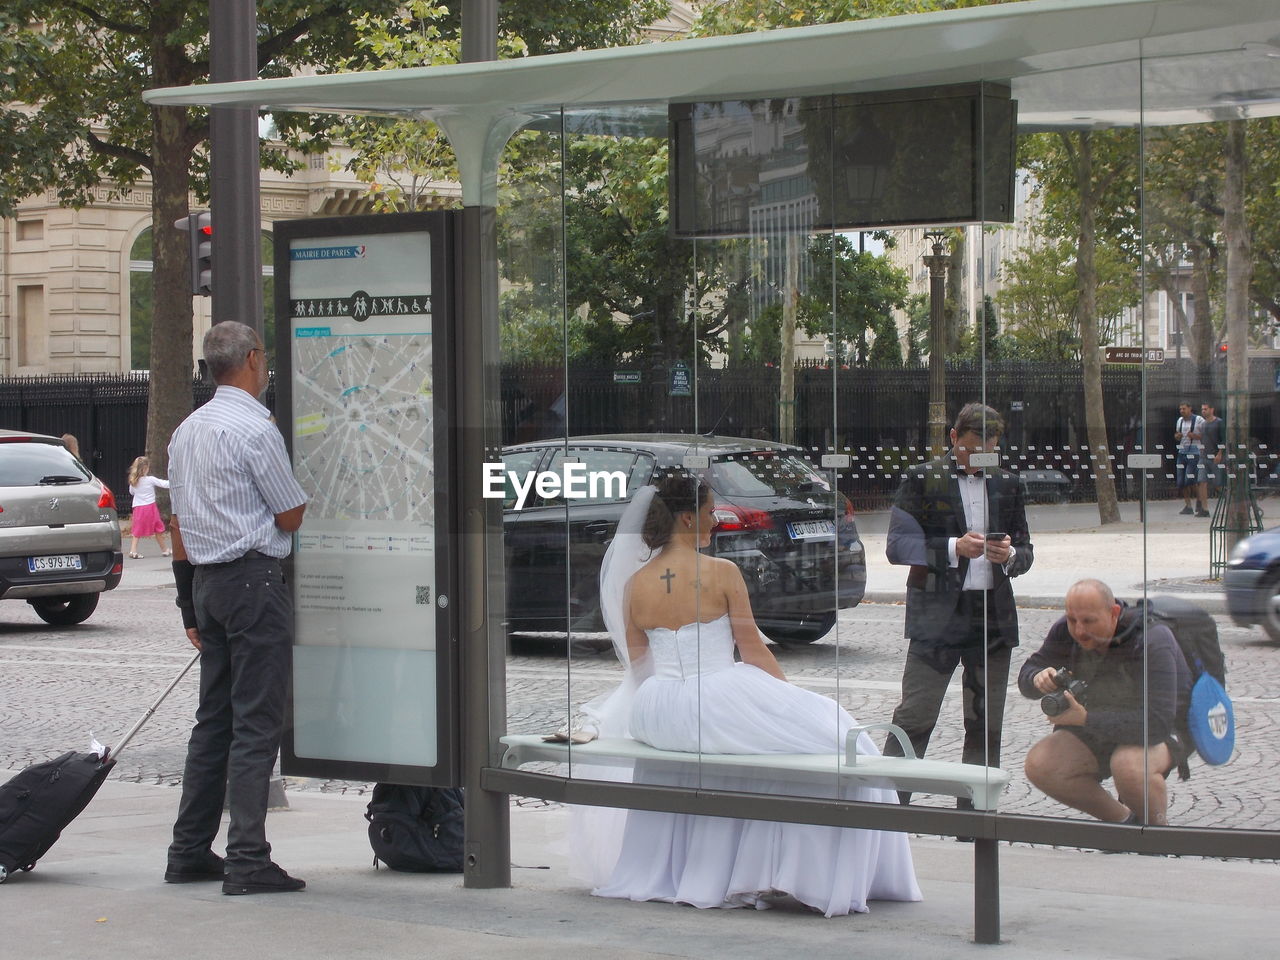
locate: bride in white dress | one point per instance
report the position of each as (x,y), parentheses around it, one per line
(680,615)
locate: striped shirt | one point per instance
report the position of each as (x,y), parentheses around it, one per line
(229,476)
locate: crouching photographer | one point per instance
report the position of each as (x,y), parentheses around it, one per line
(1088,676)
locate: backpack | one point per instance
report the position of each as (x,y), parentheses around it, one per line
(1210,720)
(416,829)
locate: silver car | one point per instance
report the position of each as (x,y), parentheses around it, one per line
(59,532)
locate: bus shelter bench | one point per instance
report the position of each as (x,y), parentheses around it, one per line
(981,785)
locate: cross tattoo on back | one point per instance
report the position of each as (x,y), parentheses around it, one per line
(668,576)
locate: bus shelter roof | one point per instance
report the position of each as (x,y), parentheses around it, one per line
(1069,63)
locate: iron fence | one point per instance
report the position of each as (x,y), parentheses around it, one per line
(878,416)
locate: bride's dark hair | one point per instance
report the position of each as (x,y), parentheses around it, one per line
(678,491)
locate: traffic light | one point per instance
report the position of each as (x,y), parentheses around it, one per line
(199,229)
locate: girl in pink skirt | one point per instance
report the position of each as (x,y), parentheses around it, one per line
(146,516)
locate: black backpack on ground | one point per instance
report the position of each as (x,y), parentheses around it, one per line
(416,829)
(1197,636)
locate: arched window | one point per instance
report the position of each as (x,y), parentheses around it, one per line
(140,300)
(141,293)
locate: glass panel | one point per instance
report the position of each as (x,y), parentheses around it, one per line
(984,373)
(1210,264)
(1068,293)
(541,695)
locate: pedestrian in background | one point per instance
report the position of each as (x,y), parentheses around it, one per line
(145,520)
(1192,477)
(1211,441)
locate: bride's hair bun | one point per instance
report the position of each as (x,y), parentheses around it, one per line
(678,492)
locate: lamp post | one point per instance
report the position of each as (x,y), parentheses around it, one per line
(937,262)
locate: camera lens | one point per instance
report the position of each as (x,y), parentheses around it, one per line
(1053,704)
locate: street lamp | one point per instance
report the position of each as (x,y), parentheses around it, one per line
(863,160)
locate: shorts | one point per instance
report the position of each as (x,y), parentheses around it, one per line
(1191,468)
(1103,747)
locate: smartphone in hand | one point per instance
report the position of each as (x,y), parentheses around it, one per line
(996,536)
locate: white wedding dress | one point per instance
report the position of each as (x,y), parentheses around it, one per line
(697,698)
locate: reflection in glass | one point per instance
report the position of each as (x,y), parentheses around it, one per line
(1115,689)
(962,531)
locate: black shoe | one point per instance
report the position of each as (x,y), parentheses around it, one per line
(1186,511)
(209,867)
(1202,513)
(268,879)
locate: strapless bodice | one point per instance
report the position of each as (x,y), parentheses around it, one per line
(691,650)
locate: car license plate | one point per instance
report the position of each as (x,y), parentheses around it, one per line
(812,529)
(67,561)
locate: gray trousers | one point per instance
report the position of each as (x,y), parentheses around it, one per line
(244,613)
(984,683)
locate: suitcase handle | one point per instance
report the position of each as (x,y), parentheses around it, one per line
(113,753)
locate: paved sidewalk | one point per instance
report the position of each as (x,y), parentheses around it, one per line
(99,894)
(1169,554)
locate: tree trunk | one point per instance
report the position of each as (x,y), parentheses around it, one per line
(1090,350)
(172,366)
(1202,328)
(1235,230)
(787,347)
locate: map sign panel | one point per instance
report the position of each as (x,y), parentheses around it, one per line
(361,322)
(361,352)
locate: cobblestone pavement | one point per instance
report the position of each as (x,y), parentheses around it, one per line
(59,685)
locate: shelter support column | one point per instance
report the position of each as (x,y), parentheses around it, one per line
(488,823)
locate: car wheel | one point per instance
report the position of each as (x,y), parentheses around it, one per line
(65,611)
(806,631)
(1269,594)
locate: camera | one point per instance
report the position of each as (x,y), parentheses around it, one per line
(1055,703)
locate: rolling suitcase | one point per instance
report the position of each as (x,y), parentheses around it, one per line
(38,803)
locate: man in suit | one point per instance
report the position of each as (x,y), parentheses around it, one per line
(962,529)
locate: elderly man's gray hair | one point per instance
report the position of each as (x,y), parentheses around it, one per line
(227,346)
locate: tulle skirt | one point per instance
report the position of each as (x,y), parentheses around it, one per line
(725,862)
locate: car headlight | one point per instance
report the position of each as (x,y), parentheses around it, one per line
(1239,552)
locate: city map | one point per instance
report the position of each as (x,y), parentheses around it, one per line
(363,429)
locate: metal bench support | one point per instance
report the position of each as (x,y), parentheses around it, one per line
(986,891)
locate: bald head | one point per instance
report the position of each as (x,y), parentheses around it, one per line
(1089,587)
(1092,614)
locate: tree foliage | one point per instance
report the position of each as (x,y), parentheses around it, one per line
(867,288)
(745,16)
(73,122)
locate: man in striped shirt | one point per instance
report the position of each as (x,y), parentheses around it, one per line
(236,505)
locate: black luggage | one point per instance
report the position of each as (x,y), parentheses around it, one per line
(416,829)
(39,803)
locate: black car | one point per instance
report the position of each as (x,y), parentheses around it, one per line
(791,533)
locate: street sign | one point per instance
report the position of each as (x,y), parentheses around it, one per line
(681,384)
(626,376)
(1134,354)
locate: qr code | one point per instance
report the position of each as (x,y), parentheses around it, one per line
(423,595)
